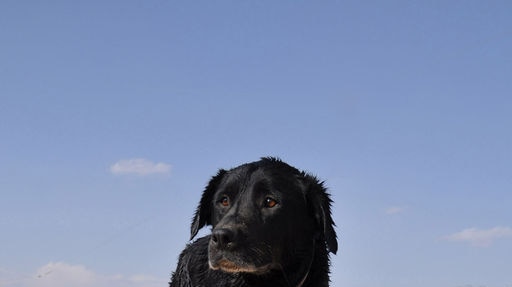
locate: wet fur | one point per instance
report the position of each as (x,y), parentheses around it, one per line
(287,245)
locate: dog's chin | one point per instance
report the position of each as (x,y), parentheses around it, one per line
(232,267)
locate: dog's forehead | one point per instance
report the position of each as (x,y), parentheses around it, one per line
(262,177)
(243,176)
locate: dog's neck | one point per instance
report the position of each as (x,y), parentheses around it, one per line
(318,267)
(305,277)
(301,282)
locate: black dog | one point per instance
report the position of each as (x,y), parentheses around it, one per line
(272,226)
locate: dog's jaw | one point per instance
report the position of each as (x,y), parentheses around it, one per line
(231,267)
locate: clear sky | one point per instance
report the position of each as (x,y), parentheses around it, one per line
(115,114)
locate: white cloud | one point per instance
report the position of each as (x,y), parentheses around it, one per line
(59,274)
(480,237)
(395,210)
(139,166)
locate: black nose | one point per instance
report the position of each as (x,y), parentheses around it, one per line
(222,238)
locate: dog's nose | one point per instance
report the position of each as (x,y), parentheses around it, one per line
(223,238)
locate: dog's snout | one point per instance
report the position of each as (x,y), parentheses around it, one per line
(223,238)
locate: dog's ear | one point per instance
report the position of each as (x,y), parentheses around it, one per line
(320,205)
(203,215)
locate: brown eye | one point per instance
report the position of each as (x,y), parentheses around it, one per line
(270,202)
(224,201)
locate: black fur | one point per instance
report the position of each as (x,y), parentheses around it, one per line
(271,226)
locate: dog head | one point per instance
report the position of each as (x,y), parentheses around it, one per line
(261,213)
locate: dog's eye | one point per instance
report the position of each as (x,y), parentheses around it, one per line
(270,202)
(224,201)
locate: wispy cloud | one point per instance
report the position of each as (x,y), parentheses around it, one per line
(59,274)
(395,210)
(139,166)
(480,237)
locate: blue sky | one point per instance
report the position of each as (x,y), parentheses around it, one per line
(115,114)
